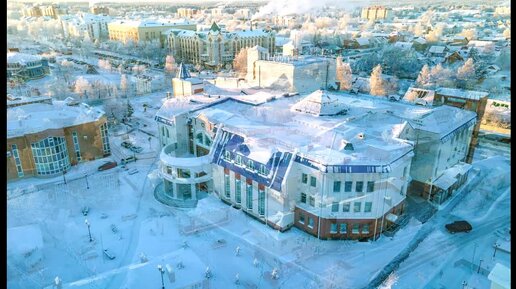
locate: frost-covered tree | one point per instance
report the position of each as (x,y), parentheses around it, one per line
(124,85)
(470,34)
(376,82)
(83,87)
(507,33)
(114,110)
(343,72)
(441,77)
(466,74)
(170,64)
(423,78)
(240,62)
(504,59)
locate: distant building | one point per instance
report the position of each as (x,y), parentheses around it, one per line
(296,74)
(475,101)
(186,12)
(99,10)
(215,48)
(144,30)
(85,25)
(184,85)
(24,66)
(53,10)
(376,13)
(46,139)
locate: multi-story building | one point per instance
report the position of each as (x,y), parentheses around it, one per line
(215,48)
(296,74)
(24,66)
(144,30)
(53,10)
(85,25)
(186,12)
(96,9)
(475,101)
(335,166)
(32,11)
(376,13)
(46,139)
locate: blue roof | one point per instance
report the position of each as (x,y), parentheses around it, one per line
(182,72)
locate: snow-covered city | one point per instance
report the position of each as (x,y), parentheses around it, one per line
(258,144)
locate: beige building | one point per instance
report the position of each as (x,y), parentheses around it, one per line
(185,85)
(99,10)
(145,30)
(186,12)
(215,47)
(46,139)
(297,74)
(376,13)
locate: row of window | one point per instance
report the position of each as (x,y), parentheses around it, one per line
(76,146)
(262,169)
(105,139)
(249,194)
(17,160)
(50,155)
(357,206)
(335,228)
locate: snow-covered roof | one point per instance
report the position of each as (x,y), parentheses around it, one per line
(362,41)
(501,275)
(320,103)
(20,100)
(38,117)
(419,96)
(461,93)
(22,58)
(151,22)
(419,40)
(437,49)
(403,45)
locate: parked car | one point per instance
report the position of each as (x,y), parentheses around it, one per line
(458,226)
(107,166)
(126,144)
(128,160)
(136,149)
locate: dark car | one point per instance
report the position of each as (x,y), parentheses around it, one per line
(458,226)
(126,144)
(107,166)
(128,160)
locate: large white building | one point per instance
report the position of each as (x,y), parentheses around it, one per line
(85,25)
(336,166)
(296,73)
(215,48)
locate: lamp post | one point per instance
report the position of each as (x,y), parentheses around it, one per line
(479,266)
(162,271)
(89,232)
(87,185)
(63,168)
(495,248)
(464,284)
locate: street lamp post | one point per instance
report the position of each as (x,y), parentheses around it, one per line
(87,185)
(479,265)
(63,168)
(464,284)
(89,232)
(162,271)
(495,248)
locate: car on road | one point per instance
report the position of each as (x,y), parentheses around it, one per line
(107,166)
(458,226)
(126,144)
(136,149)
(128,160)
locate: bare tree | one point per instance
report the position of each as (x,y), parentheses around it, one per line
(240,62)
(376,82)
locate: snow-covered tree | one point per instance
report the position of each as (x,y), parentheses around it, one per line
(240,62)
(343,76)
(124,85)
(441,77)
(376,82)
(504,59)
(466,74)
(507,33)
(423,78)
(170,64)
(470,34)
(83,87)
(114,110)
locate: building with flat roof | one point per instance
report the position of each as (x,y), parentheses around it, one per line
(376,13)
(145,30)
(24,66)
(46,139)
(337,166)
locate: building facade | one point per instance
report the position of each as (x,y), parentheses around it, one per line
(215,48)
(296,74)
(24,66)
(312,161)
(145,30)
(44,140)
(376,13)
